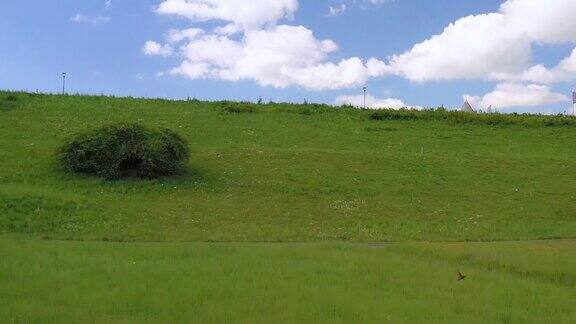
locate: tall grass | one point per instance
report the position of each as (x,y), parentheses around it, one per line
(461,117)
(90,282)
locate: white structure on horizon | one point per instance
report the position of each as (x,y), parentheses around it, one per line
(467,107)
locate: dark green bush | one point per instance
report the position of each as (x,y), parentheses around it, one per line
(302,109)
(459,117)
(8,101)
(237,107)
(125,151)
(305,111)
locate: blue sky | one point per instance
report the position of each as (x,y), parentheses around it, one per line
(122,47)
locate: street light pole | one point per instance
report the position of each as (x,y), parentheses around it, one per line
(574,102)
(63,83)
(364,89)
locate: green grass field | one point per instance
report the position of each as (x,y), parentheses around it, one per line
(327,184)
(44,282)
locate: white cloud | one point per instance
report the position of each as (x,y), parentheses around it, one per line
(177,36)
(344,74)
(155,49)
(565,71)
(508,95)
(249,42)
(191,70)
(372,102)
(550,21)
(108,3)
(250,45)
(498,46)
(471,48)
(244,14)
(229,29)
(92,20)
(216,51)
(490,45)
(279,56)
(335,11)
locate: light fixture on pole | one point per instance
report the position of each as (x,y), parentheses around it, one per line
(574,102)
(364,89)
(63,83)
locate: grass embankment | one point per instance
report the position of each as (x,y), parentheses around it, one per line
(57,282)
(291,173)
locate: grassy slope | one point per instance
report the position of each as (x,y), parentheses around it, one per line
(276,174)
(283,176)
(50,281)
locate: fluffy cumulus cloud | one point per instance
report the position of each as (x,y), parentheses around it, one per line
(372,102)
(565,71)
(250,44)
(155,49)
(498,46)
(253,40)
(177,36)
(508,95)
(489,46)
(242,14)
(473,47)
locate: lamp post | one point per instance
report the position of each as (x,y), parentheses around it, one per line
(364,89)
(574,102)
(63,83)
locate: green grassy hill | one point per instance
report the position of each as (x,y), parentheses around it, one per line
(283,172)
(329,183)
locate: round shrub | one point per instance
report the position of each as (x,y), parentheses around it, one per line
(125,151)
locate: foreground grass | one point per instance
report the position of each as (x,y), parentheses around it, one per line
(289,173)
(51,281)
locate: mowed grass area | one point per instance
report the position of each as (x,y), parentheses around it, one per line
(288,173)
(99,282)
